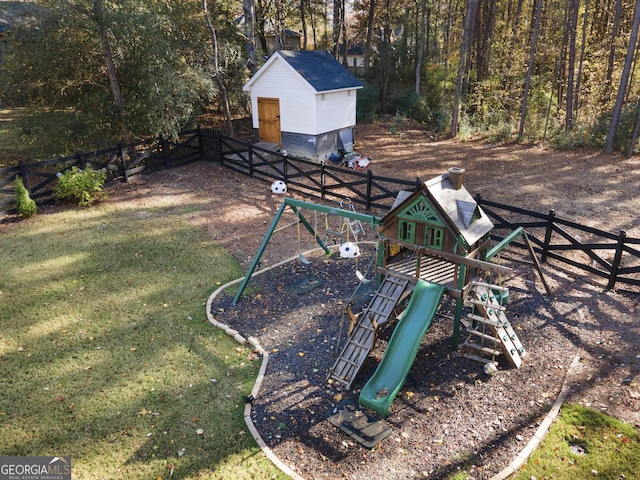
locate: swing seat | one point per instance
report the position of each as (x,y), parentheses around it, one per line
(304,259)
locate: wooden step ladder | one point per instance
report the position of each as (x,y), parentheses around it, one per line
(363,333)
(490,332)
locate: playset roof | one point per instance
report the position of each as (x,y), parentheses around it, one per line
(457,205)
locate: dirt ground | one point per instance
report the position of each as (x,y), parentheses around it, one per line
(449,415)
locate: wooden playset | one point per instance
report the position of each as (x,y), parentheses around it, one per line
(433,242)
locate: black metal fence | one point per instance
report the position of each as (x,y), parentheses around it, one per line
(320,180)
(613,257)
(119,162)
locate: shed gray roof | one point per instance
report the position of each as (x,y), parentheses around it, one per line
(320,69)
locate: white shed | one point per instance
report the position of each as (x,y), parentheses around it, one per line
(305,101)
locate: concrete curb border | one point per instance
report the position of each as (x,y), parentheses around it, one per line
(509,470)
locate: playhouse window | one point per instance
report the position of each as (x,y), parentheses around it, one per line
(407,231)
(433,237)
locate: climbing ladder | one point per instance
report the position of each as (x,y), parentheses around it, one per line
(363,332)
(490,333)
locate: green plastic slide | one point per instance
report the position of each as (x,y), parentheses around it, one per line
(384,385)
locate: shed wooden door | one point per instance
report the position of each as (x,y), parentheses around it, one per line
(269,120)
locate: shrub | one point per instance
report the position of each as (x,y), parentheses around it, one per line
(83,186)
(24,203)
(366,104)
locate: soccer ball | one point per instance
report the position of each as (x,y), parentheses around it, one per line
(279,187)
(349,250)
(490,368)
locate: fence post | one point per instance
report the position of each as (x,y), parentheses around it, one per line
(323,180)
(285,167)
(369,182)
(200,142)
(617,259)
(82,159)
(123,159)
(251,161)
(547,235)
(25,176)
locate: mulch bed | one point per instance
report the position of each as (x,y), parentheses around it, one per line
(449,415)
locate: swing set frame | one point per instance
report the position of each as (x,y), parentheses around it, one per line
(296,205)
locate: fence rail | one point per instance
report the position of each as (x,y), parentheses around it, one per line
(613,257)
(320,180)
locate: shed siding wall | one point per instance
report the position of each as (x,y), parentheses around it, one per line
(335,110)
(297,98)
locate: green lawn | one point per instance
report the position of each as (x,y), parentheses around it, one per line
(584,443)
(106,354)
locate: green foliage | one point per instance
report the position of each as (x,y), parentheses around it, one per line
(367,103)
(628,117)
(54,67)
(82,186)
(25,205)
(417,107)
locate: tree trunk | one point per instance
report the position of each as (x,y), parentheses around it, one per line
(303,21)
(259,22)
(624,81)
(338,20)
(573,26)
(527,80)
(615,31)
(280,29)
(367,48)
(386,70)
(218,75)
(314,29)
(446,34)
(423,34)
(467,34)
(583,43)
(112,75)
(484,37)
(345,40)
(248,7)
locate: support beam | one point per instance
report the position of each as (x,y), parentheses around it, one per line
(362,217)
(259,253)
